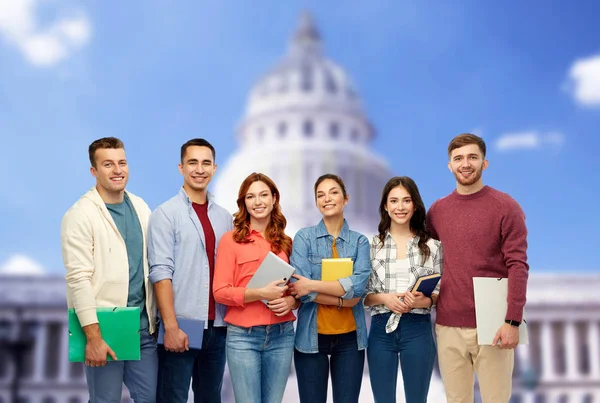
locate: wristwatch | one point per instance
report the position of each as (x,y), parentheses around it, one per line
(514,323)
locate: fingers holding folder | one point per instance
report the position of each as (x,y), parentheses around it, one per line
(96,351)
(176,340)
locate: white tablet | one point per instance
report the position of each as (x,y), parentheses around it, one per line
(272,268)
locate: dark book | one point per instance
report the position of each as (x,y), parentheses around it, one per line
(193,328)
(426,284)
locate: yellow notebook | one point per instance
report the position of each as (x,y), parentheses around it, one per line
(334,269)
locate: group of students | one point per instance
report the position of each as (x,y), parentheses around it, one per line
(194,261)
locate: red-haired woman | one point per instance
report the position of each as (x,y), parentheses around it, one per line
(260,338)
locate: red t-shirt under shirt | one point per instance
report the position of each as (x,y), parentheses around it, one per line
(209,243)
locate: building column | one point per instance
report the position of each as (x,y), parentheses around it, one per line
(528,397)
(571,350)
(547,347)
(40,352)
(63,356)
(523,355)
(593,340)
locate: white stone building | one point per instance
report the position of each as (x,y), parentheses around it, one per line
(304,119)
(560,365)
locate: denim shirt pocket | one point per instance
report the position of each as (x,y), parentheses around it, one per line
(315,259)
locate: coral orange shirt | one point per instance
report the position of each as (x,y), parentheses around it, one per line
(236,264)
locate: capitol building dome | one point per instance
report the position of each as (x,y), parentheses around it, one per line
(303,119)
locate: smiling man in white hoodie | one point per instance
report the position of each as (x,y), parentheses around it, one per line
(104,250)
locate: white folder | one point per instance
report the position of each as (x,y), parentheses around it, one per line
(490,309)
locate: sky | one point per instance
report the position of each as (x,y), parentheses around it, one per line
(523,75)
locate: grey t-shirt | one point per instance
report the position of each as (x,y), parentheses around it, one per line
(129,226)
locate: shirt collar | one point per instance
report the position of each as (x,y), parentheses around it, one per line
(411,242)
(344,233)
(182,193)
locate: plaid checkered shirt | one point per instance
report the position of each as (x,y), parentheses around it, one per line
(383,280)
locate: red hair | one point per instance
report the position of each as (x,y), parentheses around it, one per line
(275,229)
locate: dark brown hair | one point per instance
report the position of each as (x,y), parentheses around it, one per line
(334,178)
(275,230)
(200,143)
(104,142)
(417,221)
(465,139)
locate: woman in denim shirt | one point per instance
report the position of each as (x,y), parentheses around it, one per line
(331,328)
(401,324)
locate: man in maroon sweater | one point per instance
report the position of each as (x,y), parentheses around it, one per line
(483,233)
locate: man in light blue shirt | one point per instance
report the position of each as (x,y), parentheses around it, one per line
(183,237)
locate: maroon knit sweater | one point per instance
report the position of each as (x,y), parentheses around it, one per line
(483,235)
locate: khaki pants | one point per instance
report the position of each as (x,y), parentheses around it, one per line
(459,356)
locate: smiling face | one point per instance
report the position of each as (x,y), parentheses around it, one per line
(330,198)
(400,206)
(467,164)
(197,168)
(110,170)
(259,201)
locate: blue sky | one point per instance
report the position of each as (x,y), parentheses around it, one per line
(525,76)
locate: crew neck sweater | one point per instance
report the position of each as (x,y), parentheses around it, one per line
(483,235)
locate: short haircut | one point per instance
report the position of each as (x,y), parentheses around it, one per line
(465,139)
(334,178)
(104,142)
(200,143)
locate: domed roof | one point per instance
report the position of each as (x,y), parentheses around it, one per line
(304,78)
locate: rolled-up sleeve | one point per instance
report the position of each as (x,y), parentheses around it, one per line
(438,266)
(356,284)
(224,289)
(77,241)
(371,283)
(299,260)
(161,247)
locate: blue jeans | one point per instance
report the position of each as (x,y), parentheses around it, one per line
(105,384)
(203,367)
(413,342)
(347,364)
(260,360)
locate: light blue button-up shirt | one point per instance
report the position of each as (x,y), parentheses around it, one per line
(177,251)
(311,245)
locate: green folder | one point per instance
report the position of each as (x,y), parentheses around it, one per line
(120,328)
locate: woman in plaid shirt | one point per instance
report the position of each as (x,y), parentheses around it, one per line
(401,321)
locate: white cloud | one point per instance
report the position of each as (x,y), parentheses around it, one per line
(529,140)
(76,30)
(21,265)
(46,46)
(478,131)
(584,81)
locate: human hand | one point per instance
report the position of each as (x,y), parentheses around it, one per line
(302,286)
(176,340)
(394,303)
(95,352)
(273,290)
(282,306)
(416,299)
(507,337)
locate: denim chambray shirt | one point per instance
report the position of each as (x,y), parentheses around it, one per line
(176,251)
(312,244)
